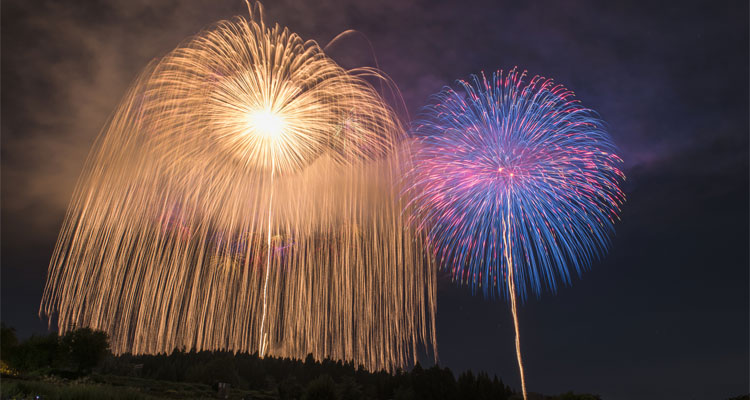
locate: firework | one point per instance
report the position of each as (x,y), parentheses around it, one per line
(245,196)
(515,183)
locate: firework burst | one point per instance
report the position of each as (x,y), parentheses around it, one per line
(515,183)
(245,196)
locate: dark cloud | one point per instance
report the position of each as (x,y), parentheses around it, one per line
(665,315)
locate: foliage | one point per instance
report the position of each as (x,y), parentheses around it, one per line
(53,365)
(74,354)
(84,348)
(308,379)
(8,338)
(290,389)
(56,391)
(321,388)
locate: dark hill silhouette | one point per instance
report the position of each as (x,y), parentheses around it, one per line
(79,364)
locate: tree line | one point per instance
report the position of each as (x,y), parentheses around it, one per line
(84,351)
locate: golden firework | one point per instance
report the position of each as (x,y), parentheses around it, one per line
(245,197)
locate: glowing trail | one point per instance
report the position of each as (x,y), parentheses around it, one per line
(270,126)
(245,196)
(512,290)
(262,345)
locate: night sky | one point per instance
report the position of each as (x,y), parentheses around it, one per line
(663,316)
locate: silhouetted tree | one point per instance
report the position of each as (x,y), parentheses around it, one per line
(84,348)
(321,388)
(81,350)
(39,352)
(404,392)
(8,344)
(290,389)
(350,390)
(467,386)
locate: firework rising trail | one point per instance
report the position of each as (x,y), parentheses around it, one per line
(245,196)
(515,183)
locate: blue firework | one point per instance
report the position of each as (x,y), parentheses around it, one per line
(513,172)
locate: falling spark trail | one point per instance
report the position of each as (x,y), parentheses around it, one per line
(512,294)
(245,196)
(262,345)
